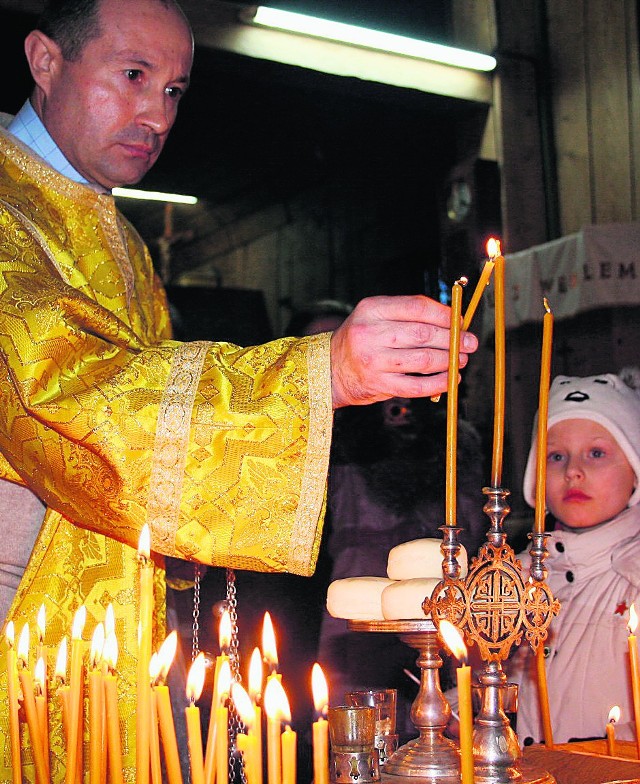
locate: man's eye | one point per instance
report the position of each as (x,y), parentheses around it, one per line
(174,92)
(133,74)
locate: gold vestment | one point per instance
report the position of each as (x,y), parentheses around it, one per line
(222,450)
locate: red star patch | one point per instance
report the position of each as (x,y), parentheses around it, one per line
(621,608)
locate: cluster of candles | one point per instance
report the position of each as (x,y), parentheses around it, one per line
(155,727)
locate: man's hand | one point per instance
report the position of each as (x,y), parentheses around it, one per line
(393,347)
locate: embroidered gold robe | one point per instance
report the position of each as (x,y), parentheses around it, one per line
(222,450)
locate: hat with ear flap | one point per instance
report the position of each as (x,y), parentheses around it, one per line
(612,401)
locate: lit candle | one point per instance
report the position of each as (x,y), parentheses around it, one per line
(483,282)
(74,748)
(635,672)
(288,744)
(156,768)
(41,649)
(274,702)
(14,721)
(195,683)
(39,678)
(223,687)
(96,690)
(493,251)
(224,640)
(454,642)
(614,717)
(255,692)
(111,704)
(543,697)
(452,402)
(246,742)
(29,704)
(165,714)
(320,692)
(543,411)
(145,627)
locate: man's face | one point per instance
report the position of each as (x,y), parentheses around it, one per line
(110,111)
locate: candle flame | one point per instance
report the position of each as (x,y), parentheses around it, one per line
(224,632)
(255,675)
(110,651)
(269,650)
(195,678)
(223,686)
(39,675)
(23,645)
(97,645)
(167,653)
(633,619)
(10,634)
(144,543)
(614,715)
(79,620)
(40,623)
(109,621)
(61,661)
(154,668)
(243,704)
(462,281)
(320,690)
(453,640)
(493,248)
(276,704)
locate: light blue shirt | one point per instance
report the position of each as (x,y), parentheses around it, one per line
(29,129)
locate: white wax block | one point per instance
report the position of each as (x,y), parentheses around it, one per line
(357,598)
(402,600)
(420,558)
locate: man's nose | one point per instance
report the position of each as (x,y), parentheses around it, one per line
(156,114)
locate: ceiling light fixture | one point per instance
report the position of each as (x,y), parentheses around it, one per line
(174,198)
(288,21)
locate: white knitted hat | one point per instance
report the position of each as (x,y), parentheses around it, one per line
(611,401)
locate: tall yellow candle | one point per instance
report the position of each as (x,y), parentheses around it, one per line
(255,693)
(222,723)
(543,415)
(288,743)
(276,708)
(29,704)
(96,690)
(483,282)
(543,698)
(320,728)
(195,683)
(165,713)
(493,251)
(42,710)
(41,650)
(246,742)
(14,721)
(224,640)
(635,672)
(110,683)
(145,630)
(74,748)
(454,642)
(614,717)
(156,767)
(452,402)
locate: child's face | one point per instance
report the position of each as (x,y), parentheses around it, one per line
(589,479)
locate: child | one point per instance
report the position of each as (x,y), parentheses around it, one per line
(593,465)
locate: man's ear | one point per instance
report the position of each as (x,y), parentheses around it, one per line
(44,58)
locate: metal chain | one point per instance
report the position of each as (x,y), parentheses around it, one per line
(235,724)
(195,636)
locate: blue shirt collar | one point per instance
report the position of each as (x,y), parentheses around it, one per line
(29,129)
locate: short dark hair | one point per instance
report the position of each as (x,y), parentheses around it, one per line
(71,24)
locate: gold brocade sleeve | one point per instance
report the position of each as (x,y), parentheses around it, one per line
(223,450)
